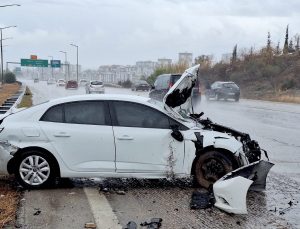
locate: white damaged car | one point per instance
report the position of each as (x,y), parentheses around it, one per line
(131,136)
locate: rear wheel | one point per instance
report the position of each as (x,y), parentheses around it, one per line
(218,97)
(210,167)
(35,169)
(237,98)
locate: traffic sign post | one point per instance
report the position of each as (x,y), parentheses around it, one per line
(55,63)
(34,63)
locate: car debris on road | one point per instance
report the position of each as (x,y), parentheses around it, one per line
(154,223)
(90,225)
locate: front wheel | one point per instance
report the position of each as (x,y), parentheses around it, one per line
(35,170)
(210,167)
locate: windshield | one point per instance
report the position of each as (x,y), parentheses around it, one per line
(231,85)
(96,83)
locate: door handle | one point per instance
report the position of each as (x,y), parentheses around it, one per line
(62,134)
(125,137)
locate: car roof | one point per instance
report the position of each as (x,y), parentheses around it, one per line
(121,97)
(169,74)
(223,82)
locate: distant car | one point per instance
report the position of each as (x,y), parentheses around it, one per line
(51,81)
(71,84)
(36,80)
(140,85)
(164,82)
(223,90)
(83,82)
(95,87)
(61,82)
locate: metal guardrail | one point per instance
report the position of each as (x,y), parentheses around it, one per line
(12,102)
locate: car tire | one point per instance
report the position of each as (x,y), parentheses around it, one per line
(204,175)
(218,97)
(35,169)
(237,98)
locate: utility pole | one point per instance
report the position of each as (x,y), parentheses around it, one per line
(51,66)
(1,50)
(77,61)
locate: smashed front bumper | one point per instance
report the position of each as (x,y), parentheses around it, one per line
(230,191)
(6,153)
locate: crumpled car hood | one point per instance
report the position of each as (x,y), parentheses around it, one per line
(179,95)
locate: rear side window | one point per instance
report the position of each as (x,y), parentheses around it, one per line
(54,114)
(88,112)
(165,82)
(174,78)
(84,112)
(162,82)
(137,115)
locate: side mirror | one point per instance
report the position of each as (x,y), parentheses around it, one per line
(176,134)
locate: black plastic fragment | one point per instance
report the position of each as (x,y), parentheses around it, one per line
(176,134)
(130,225)
(154,223)
(202,199)
(37,212)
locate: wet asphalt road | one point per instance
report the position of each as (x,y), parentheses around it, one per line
(276,126)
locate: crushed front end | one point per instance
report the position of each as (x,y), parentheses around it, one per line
(251,147)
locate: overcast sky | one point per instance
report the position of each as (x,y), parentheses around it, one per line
(125,31)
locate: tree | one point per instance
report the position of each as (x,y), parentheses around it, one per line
(277,51)
(234,54)
(9,77)
(205,61)
(177,68)
(269,42)
(286,41)
(297,46)
(291,47)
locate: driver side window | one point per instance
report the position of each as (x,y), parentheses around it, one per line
(137,115)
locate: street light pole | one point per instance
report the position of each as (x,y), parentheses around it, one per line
(1,50)
(51,66)
(10,5)
(77,60)
(66,65)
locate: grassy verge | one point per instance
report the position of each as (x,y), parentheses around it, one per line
(283,96)
(9,198)
(27,99)
(7,91)
(9,195)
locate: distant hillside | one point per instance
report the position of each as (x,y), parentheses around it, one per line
(260,76)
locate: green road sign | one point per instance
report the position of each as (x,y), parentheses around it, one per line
(34,63)
(55,63)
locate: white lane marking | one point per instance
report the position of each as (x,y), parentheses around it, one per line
(101,209)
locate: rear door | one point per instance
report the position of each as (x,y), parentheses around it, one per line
(143,140)
(82,134)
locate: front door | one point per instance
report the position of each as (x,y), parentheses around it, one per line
(143,140)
